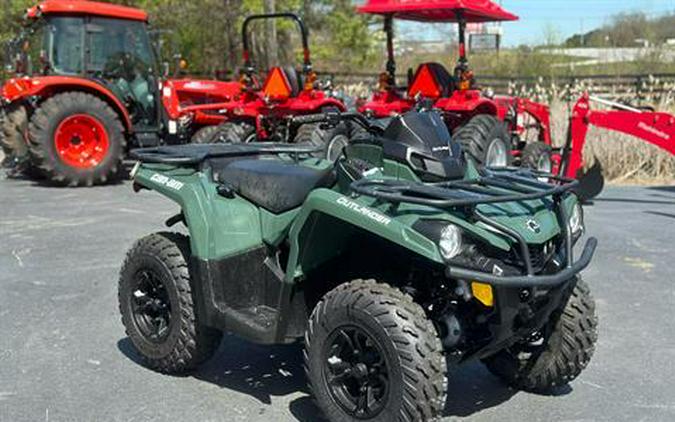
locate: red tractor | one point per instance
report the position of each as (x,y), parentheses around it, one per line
(262,110)
(87,87)
(489,127)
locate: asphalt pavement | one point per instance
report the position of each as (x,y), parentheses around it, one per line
(64,355)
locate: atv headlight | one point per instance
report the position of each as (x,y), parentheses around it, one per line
(450,242)
(576,221)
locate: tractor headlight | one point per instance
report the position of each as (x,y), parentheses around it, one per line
(576,221)
(450,242)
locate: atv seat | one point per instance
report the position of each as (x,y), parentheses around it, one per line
(274,185)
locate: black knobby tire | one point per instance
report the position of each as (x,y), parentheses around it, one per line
(329,142)
(42,147)
(235,133)
(567,349)
(537,156)
(186,342)
(13,127)
(399,329)
(205,135)
(482,134)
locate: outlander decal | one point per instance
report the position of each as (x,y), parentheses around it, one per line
(365,211)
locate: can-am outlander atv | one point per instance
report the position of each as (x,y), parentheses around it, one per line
(393,264)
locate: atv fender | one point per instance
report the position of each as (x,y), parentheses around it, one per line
(326,220)
(18,89)
(218,226)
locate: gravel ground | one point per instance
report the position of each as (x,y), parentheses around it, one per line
(64,355)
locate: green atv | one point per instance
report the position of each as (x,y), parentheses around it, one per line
(394,264)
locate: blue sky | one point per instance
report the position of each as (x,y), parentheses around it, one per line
(568,17)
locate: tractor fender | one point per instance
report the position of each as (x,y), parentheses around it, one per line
(18,89)
(313,102)
(327,218)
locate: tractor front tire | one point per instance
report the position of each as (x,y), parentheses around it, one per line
(13,127)
(372,354)
(485,139)
(329,142)
(76,139)
(566,348)
(157,305)
(537,156)
(205,135)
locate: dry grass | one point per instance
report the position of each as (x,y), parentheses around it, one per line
(626,160)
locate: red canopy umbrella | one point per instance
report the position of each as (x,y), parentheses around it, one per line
(439,10)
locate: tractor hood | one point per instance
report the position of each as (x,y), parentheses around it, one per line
(439,10)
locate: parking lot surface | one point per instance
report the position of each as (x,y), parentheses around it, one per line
(64,355)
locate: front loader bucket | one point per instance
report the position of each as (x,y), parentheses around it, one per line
(591,182)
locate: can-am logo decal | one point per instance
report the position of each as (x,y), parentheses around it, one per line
(367,212)
(166,181)
(533,226)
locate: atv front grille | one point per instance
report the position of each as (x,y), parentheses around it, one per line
(540,255)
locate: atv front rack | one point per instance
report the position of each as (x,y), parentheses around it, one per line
(194,154)
(493,186)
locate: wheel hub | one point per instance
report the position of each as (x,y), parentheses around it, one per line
(356,372)
(151,308)
(81,141)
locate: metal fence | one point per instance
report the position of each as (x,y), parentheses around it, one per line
(615,85)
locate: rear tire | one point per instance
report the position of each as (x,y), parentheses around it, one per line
(485,139)
(13,127)
(330,143)
(235,133)
(205,135)
(566,350)
(101,154)
(367,339)
(157,305)
(537,156)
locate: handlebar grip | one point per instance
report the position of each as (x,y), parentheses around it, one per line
(310,118)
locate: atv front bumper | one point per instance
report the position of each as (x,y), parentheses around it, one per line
(548,280)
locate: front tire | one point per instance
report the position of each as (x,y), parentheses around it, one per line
(234,133)
(157,305)
(205,135)
(372,354)
(485,139)
(76,139)
(566,348)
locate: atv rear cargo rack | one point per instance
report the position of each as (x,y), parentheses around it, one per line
(194,154)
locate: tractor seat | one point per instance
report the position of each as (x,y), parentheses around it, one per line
(272,184)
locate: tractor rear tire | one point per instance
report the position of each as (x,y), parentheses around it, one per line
(329,143)
(157,304)
(372,354)
(485,139)
(13,127)
(537,156)
(565,351)
(205,135)
(234,133)
(76,139)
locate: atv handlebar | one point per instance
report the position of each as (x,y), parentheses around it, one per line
(334,118)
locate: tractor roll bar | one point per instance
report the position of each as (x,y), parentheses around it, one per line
(248,65)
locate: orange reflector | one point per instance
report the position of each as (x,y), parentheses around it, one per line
(276,86)
(483,293)
(424,84)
